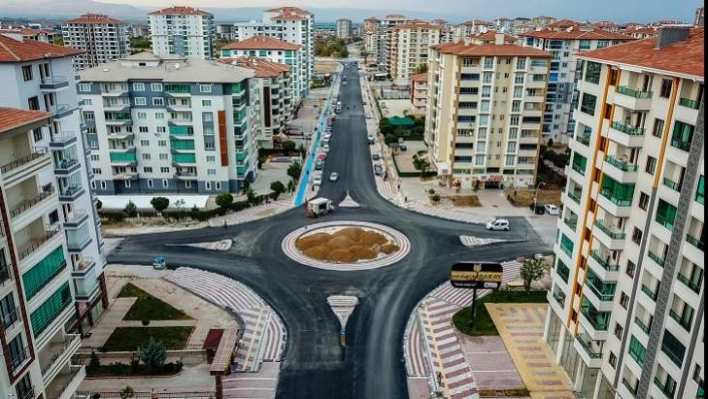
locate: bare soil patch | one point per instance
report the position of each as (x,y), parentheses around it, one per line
(464,200)
(524,198)
(350,244)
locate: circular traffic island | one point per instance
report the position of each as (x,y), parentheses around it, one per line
(346,246)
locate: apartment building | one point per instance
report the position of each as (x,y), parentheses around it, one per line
(183,31)
(274,104)
(278,51)
(471,27)
(100,37)
(698,17)
(40,35)
(419,92)
(165,124)
(484,114)
(408,45)
(40,76)
(626,317)
(344,28)
(383,38)
(369,32)
(565,45)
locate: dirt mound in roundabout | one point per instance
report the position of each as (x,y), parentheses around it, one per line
(348,245)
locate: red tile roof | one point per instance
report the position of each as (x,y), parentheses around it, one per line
(289,9)
(576,34)
(180,10)
(261,43)
(11,118)
(89,18)
(420,77)
(416,24)
(684,57)
(490,50)
(491,36)
(262,67)
(563,23)
(12,50)
(290,13)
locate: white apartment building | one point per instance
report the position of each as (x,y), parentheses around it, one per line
(278,51)
(565,45)
(383,39)
(485,105)
(626,316)
(274,104)
(408,48)
(183,31)
(54,285)
(419,93)
(369,33)
(344,28)
(290,24)
(166,124)
(101,38)
(468,28)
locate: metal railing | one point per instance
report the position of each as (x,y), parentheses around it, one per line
(584,139)
(684,145)
(678,319)
(621,165)
(9,319)
(695,242)
(67,342)
(694,286)
(19,359)
(642,326)
(586,345)
(5,272)
(54,80)
(27,204)
(687,102)
(604,262)
(38,243)
(651,294)
(62,137)
(607,193)
(38,153)
(633,92)
(612,233)
(628,129)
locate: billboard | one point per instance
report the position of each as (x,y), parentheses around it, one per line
(482,275)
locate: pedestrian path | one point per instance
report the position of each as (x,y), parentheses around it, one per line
(253,213)
(264,334)
(450,214)
(252,385)
(471,241)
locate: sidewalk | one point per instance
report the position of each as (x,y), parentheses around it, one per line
(190,379)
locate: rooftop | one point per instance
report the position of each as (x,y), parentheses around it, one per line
(420,77)
(290,13)
(90,18)
(478,22)
(563,23)
(261,43)
(577,34)
(180,10)
(169,69)
(12,50)
(11,118)
(470,49)
(491,36)
(683,57)
(260,66)
(416,24)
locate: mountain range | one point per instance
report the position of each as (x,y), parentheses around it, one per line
(65,9)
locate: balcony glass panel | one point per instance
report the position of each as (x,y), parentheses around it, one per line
(599,320)
(43,272)
(673,348)
(618,194)
(50,309)
(637,351)
(682,136)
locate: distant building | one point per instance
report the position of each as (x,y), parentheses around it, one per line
(227,32)
(101,38)
(542,20)
(698,19)
(344,28)
(183,31)
(419,92)
(40,35)
(470,27)
(408,48)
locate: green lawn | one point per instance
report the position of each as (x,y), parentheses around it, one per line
(125,339)
(147,307)
(126,370)
(483,324)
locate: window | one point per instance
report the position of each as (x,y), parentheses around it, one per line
(207,186)
(637,236)
(103,185)
(149,183)
(205,88)
(147,169)
(8,311)
(33,103)
(637,351)
(211,172)
(207,117)
(164,169)
(158,101)
(161,129)
(159,115)
(658,129)
(165,183)
(162,143)
(146,157)
(700,191)
(156,86)
(38,135)
(85,88)
(588,104)
(643,201)
(211,158)
(666,85)
(144,143)
(143,129)
(630,269)
(27,73)
(673,348)
(592,72)
(206,103)
(138,86)
(140,101)
(624,300)
(618,331)
(613,360)
(142,115)
(651,165)
(521,63)
(164,157)
(96,171)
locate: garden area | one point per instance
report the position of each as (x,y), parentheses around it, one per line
(150,359)
(483,324)
(409,128)
(147,308)
(128,339)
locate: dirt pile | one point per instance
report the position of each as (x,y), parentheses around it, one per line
(347,245)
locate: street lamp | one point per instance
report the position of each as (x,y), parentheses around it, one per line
(535,196)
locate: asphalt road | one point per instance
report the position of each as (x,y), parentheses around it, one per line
(315,365)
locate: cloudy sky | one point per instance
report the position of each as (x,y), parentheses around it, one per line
(618,10)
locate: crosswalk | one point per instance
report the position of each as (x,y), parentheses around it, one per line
(253,213)
(223,245)
(349,202)
(264,334)
(471,241)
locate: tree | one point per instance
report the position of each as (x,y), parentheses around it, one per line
(153,355)
(219,43)
(224,200)
(127,392)
(390,138)
(130,209)
(159,204)
(289,145)
(422,68)
(435,199)
(140,42)
(291,186)
(301,149)
(250,196)
(532,270)
(94,363)
(278,188)
(99,204)
(295,170)
(366,55)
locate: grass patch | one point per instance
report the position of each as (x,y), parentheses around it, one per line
(464,200)
(128,339)
(506,393)
(483,324)
(147,307)
(127,370)
(524,198)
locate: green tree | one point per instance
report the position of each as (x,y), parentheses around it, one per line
(94,363)
(224,200)
(99,204)
(153,355)
(366,55)
(435,199)
(127,392)
(532,270)
(59,41)
(390,138)
(250,196)
(295,170)
(289,145)
(301,149)
(219,43)
(140,42)
(130,209)
(159,204)
(422,68)
(278,188)
(291,186)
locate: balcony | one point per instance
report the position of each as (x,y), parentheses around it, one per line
(572,223)
(120,121)
(36,243)
(77,240)
(583,139)
(19,360)
(575,196)
(123,159)
(177,91)
(62,140)
(70,193)
(626,135)
(688,103)
(53,83)
(672,184)
(186,175)
(591,348)
(684,145)
(122,136)
(602,266)
(695,286)
(642,326)
(686,324)
(648,292)
(66,166)
(83,266)
(620,170)
(56,354)
(633,99)
(119,91)
(66,383)
(609,236)
(78,217)
(25,165)
(121,107)
(616,206)
(87,289)
(33,202)
(59,111)
(668,391)
(123,176)
(659,260)
(632,388)
(5,273)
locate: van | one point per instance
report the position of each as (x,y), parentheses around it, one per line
(498,224)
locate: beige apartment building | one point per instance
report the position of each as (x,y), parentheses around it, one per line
(408,48)
(485,109)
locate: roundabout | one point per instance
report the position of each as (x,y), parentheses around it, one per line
(346,245)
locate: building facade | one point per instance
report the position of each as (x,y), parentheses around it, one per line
(626,315)
(101,38)
(565,45)
(183,31)
(169,125)
(484,114)
(344,28)
(471,27)
(419,93)
(408,45)
(278,51)
(369,33)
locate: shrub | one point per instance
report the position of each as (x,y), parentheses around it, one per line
(130,209)
(153,355)
(127,392)
(159,204)
(95,361)
(224,200)
(435,198)
(278,188)
(145,322)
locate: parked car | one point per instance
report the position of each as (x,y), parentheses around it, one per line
(371,139)
(540,208)
(334,176)
(376,156)
(498,224)
(378,169)
(552,209)
(319,165)
(317,180)
(159,263)
(325,147)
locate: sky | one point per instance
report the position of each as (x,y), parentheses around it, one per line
(618,10)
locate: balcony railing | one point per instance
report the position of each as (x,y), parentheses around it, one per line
(20,359)
(664,221)
(656,258)
(633,92)
(5,272)
(10,318)
(56,354)
(695,242)
(694,286)
(572,223)
(609,194)
(674,357)
(559,299)
(575,196)
(587,346)
(567,251)
(669,391)
(628,129)
(672,184)
(584,139)
(687,102)
(677,318)
(612,233)
(651,294)
(602,297)
(604,262)
(621,165)
(642,326)
(37,243)
(38,153)
(28,204)
(684,145)
(631,388)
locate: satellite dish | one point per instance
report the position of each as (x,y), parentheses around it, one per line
(176,66)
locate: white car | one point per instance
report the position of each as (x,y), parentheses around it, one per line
(325,148)
(317,180)
(328,135)
(498,224)
(552,209)
(334,176)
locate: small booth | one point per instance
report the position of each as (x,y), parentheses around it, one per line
(223,357)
